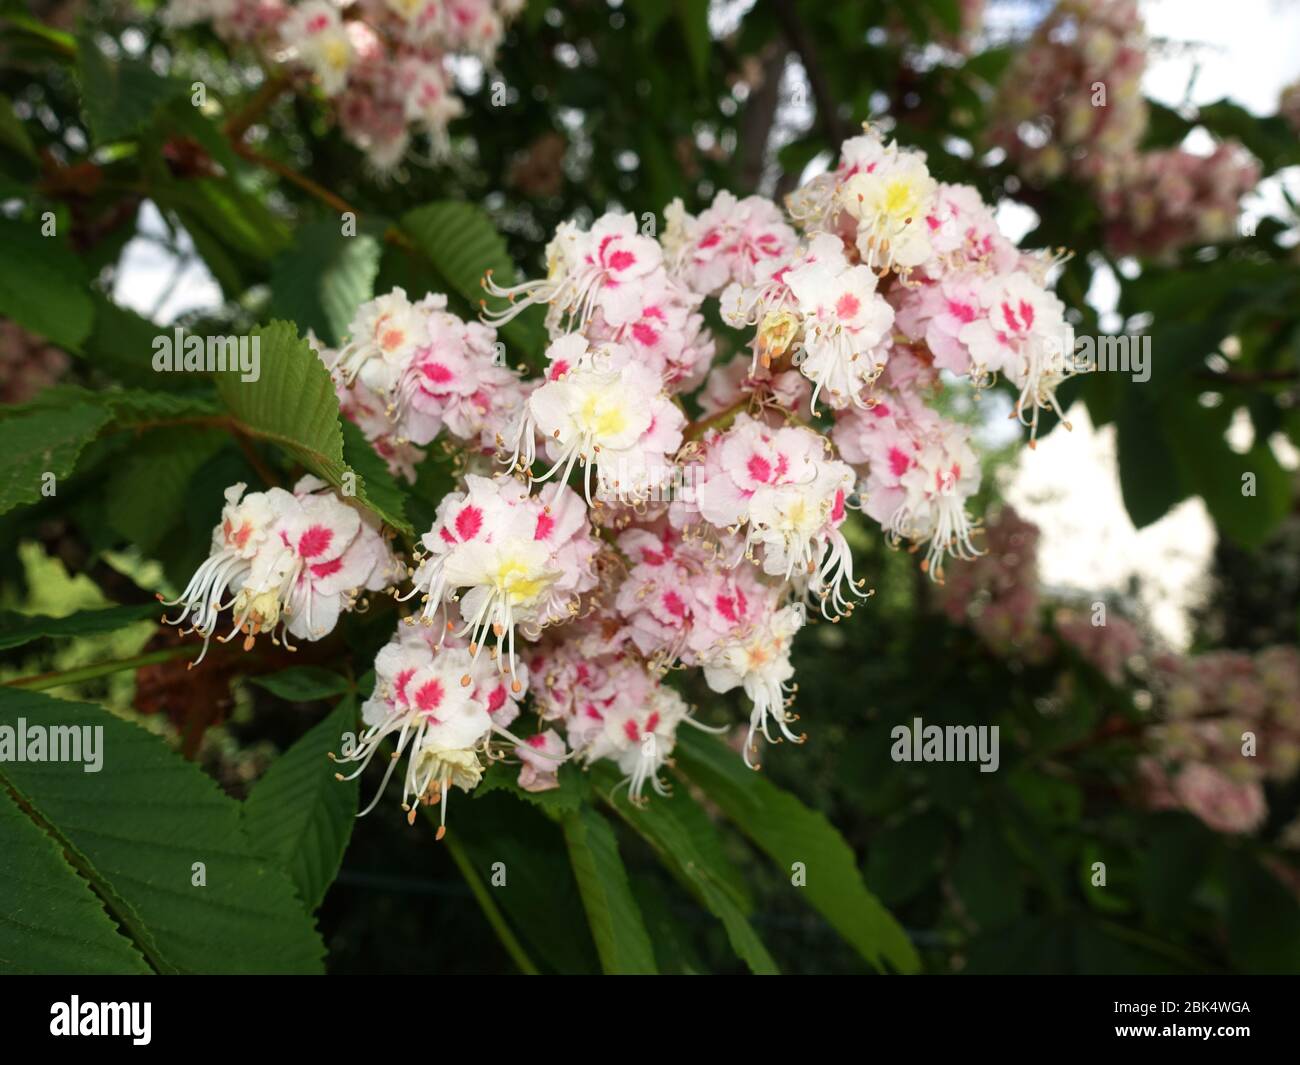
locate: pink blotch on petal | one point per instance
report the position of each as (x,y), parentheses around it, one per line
(315,541)
(468,523)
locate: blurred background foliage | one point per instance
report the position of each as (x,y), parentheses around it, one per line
(632,105)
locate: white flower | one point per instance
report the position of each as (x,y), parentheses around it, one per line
(609,413)
(845,325)
(759,663)
(318,38)
(385,334)
(890,200)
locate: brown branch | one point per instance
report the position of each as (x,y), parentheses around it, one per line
(796,34)
(224,422)
(238,124)
(287,172)
(760,115)
(717,419)
(1241,377)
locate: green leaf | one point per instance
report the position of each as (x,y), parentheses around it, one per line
(574,789)
(1173,860)
(42,285)
(43,441)
(948,13)
(381,487)
(462,245)
(612,912)
(323,278)
(238,220)
(688,844)
(905,858)
(50,919)
(302,684)
(1270,138)
(1148,471)
(789,832)
(136,408)
(18,629)
(12,133)
(119,95)
(537,891)
(146,493)
(298,815)
(1263,919)
(137,838)
(1248,495)
(120,343)
(990,64)
(293,405)
(986,875)
(694,18)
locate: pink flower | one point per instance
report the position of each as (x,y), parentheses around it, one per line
(540,756)
(1226,805)
(594,271)
(293,561)
(607,412)
(726,242)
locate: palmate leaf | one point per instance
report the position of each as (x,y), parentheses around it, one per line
(145,496)
(50,920)
(461,243)
(119,95)
(536,889)
(42,285)
(136,841)
(323,278)
(615,919)
(292,404)
(240,222)
(574,789)
(12,133)
(302,684)
(789,832)
(40,442)
(687,842)
(18,629)
(298,815)
(694,18)
(383,493)
(1148,470)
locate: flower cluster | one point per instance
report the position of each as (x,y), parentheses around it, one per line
(1232,722)
(998,593)
(1071,103)
(411,372)
(1071,100)
(285,563)
(384,63)
(642,506)
(1224,722)
(1170,199)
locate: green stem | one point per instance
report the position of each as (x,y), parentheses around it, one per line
(494,916)
(44,681)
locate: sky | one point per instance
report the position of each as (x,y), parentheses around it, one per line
(1069,485)
(1246,51)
